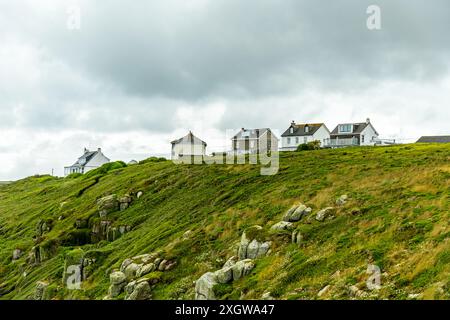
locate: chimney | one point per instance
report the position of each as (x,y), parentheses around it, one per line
(243,129)
(293,123)
(99,150)
(86,150)
(368,120)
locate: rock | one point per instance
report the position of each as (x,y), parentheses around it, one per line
(17,253)
(117,277)
(142,291)
(230,262)
(139,194)
(157,262)
(124,202)
(263,249)
(131,270)
(267,296)
(224,275)
(288,214)
(146,269)
(125,264)
(297,237)
(282,226)
(356,292)
(170,266)
(129,288)
(326,213)
(204,287)
(252,249)
(116,289)
(162,265)
(144,258)
(296,213)
(242,268)
(414,296)
(40,291)
(324,291)
(341,200)
(107,205)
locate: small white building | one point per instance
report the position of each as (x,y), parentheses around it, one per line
(298,134)
(188,146)
(254,141)
(90,160)
(354,134)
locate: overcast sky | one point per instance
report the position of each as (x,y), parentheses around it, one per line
(138,74)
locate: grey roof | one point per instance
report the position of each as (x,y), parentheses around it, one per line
(190,137)
(434,139)
(357,128)
(299,129)
(251,133)
(85,158)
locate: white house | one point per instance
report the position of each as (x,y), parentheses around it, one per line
(88,161)
(188,146)
(254,141)
(298,134)
(354,134)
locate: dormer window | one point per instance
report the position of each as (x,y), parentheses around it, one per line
(306,129)
(291,130)
(345,128)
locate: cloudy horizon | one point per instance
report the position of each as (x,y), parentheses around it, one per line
(135,76)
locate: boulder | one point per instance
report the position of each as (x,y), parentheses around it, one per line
(132,270)
(224,275)
(327,213)
(107,205)
(142,291)
(324,291)
(230,262)
(242,268)
(129,288)
(17,253)
(252,249)
(264,249)
(162,265)
(288,214)
(146,269)
(296,213)
(297,237)
(124,202)
(117,277)
(243,246)
(282,226)
(204,287)
(125,264)
(341,200)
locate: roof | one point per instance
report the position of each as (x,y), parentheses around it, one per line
(357,128)
(251,133)
(434,139)
(86,157)
(299,129)
(191,138)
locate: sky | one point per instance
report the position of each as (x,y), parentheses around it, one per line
(131,76)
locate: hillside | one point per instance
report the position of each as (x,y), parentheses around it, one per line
(396,217)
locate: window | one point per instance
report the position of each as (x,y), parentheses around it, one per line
(362,139)
(288,140)
(345,128)
(305,140)
(296,140)
(291,130)
(306,129)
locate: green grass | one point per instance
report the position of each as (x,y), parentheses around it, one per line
(397,218)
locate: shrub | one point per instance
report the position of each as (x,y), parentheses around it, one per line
(104,169)
(313,145)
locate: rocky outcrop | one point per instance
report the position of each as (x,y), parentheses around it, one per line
(232,270)
(107,205)
(125,202)
(104,230)
(43,226)
(137,275)
(296,213)
(250,247)
(325,214)
(282,226)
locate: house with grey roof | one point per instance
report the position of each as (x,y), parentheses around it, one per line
(303,133)
(434,139)
(254,141)
(90,160)
(353,134)
(187,147)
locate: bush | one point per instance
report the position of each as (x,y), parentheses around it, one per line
(153,159)
(313,145)
(104,169)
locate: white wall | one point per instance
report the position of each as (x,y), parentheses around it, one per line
(368,134)
(97,161)
(321,134)
(187,149)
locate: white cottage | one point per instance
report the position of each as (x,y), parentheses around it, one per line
(90,160)
(188,146)
(298,134)
(354,134)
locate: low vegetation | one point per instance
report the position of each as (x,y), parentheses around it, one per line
(396,217)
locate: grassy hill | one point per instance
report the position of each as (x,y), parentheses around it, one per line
(396,217)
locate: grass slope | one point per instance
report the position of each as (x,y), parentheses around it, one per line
(397,218)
